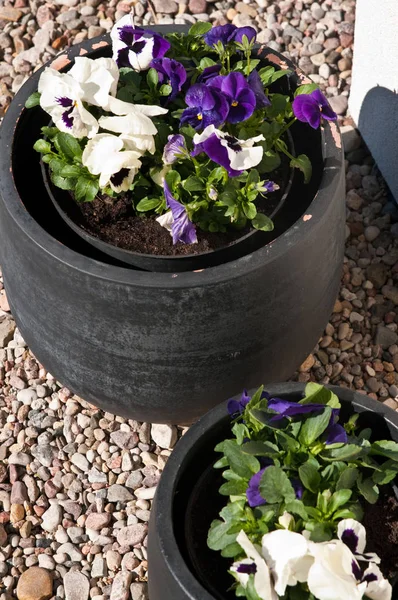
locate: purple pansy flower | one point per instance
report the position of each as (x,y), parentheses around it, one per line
(182,229)
(172,72)
(208,73)
(241,99)
(336,434)
(207,106)
(228,33)
(174,149)
(237,407)
(226,150)
(256,85)
(285,408)
(135,47)
(310,108)
(253,495)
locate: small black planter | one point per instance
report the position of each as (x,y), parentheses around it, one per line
(181,567)
(163,347)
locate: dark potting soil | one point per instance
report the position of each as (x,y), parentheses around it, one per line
(115,222)
(381,524)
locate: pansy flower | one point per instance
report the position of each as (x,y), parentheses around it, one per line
(98,79)
(209,73)
(253,494)
(228,33)
(135,47)
(228,151)
(62,98)
(353,534)
(255,83)
(174,149)
(207,106)
(310,108)
(254,565)
(237,407)
(182,229)
(104,155)
(241,99)
(171,72)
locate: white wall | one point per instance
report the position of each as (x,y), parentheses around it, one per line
(374,94)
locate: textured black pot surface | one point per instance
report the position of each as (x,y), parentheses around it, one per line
(134,342)
(181,567)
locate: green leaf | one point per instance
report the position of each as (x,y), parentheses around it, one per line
(221,463)
(165,90)
(287,442)
(86,189)
(33,100)
(307,88)
(338,499)
(368,489)
(347,478)
(297,508)
(260,448)
(262,222)
(303,163)
(67,145)
(63,182)
(318,394)
(218,537)
(56,165)
(348,452)
(389,471)
(270,161)
(231,550)
(319,532)
(314,426)
(199,28)
(42,146)
(193,184)
(206,62)
(49,132)
(250,210)
(243,464)
(47,158)
(148,204)
(233,488)
(173,178)
(240,432)
(278,106)
(71,171)
(275,486)
(386,448)
(152,78)
(309,476)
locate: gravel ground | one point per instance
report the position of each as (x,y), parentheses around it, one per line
(76,484)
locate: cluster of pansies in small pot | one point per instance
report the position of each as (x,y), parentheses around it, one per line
(298,482)
(188,125)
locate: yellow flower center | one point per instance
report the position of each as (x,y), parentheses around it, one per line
(234,103)
(200,116)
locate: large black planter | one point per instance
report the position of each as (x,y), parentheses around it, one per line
(163,347)
(181,567)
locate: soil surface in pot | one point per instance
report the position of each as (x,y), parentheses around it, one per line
(380,521)
(113,220)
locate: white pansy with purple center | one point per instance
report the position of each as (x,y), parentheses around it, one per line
(98,79)
(228,151)
(105,156)
(62,98)
(134,47)
(353,534)
(256,565)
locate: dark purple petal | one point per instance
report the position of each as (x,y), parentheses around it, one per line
(370,577)
(270,186)
(128,35)
(193,117)
(298,488)
(237,407)
(64,101)
(199,95)
(174,149)
(249,569)
(219,154)
(160,45)
(222,33)
(136,40)
(249,32)
(118,178)
(122,59)
(208,73)
(307,110)
(284,408)
(326,109)
(256,85)
(172,72)
(336,434)
(241,98)
(182,229)
(350,539)
(67,119)
(253,495)
(356,570)
(207,107)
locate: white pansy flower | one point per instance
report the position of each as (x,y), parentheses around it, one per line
(166,220)
(285,520)
(158,174)
(120,108)
(228,151)
(331,576)
(288,556)
(353,534)
(136,129)
(62,98)
(256,565)
(377,588)
(98,79)
(104,156)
